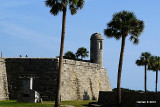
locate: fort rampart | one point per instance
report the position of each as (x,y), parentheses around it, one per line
(80,80)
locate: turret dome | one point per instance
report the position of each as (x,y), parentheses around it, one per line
(96,36)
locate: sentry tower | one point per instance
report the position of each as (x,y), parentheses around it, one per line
(96,48)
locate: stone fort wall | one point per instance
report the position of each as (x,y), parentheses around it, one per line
(80,80)
(3,81)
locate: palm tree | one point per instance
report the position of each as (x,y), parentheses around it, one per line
(123,24)
(155,66)
(69,55)
(144,61)
(56,7)
(82,52)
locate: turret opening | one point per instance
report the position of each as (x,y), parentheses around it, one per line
(100,44)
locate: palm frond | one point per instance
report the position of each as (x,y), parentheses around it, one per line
(50,3)
(80,3)
(144,59)
(56,8)
(154,63)
(134,39)
(55,5)
(74,5)
(58,5)
(124,23)
(69,55)
(137,28)
(82,52)
(73,9)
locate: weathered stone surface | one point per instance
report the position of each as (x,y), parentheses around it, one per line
(43,69)
(80,80)
(96,48)
(83,81)
(3,81)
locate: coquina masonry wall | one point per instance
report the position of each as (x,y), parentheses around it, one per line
(80,80)
(83,80)
(3,81)
(44,71)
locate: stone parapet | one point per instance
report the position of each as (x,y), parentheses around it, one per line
(65,61)
(81,63)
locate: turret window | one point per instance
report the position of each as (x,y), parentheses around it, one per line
(100,44)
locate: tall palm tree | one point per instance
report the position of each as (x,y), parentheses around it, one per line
(69,55)
(123,24)
(144,60)
(82,52)
(56,7)
(155,66)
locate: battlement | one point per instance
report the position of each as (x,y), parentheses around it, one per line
(55,60)
(81,63)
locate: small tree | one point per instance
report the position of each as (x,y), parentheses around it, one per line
(155,66)
(69,55)
(144,61)
(82,52)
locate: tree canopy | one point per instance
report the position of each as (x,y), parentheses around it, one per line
(144,59)
(58,5)
(69,55)
(124,23)
(154,63)
(82,52)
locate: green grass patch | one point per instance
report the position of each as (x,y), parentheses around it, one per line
(14,103)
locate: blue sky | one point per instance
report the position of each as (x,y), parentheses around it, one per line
(27,28)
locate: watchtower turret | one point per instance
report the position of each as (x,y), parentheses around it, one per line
(96,48)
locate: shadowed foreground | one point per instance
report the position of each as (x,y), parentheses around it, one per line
(14,103)
(130,99)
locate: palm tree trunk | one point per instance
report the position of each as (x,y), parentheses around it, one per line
(120,71)
(156,80)
(57,100)
(145,78)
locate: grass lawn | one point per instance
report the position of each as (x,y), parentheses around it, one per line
(14,103)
